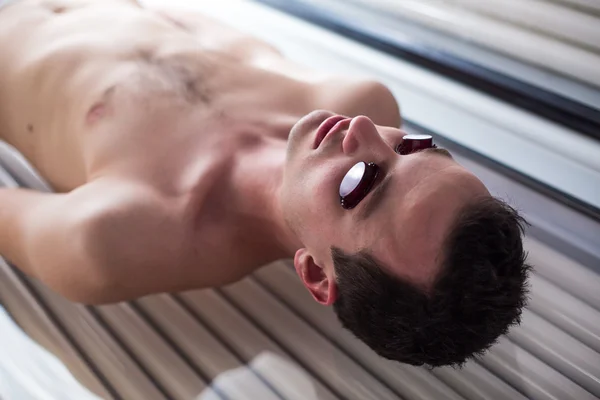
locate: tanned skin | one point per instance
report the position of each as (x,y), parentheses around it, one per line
(163,135)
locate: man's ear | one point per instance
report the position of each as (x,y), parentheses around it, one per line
(318,280)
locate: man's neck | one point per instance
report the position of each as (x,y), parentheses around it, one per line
(259,123)
(256,183)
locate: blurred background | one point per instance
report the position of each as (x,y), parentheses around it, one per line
(510,87)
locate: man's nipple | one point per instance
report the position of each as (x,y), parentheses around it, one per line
(96,113)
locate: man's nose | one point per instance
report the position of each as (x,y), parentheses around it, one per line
(362,133)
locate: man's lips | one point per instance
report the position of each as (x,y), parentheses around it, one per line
(327,127)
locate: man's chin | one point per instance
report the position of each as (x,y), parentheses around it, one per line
(302,134)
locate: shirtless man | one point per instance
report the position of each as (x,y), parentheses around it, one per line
(187,155)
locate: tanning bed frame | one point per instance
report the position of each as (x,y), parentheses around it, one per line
(268,330)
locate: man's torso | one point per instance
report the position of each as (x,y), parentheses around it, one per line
(93,89)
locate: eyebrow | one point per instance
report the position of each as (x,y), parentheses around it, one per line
(375,198)
(439,151)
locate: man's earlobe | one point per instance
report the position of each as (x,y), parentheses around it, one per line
(321,286)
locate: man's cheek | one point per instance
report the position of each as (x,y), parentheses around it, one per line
(324,191)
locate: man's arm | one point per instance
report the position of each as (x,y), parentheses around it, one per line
(101,243)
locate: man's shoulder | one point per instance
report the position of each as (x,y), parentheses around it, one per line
(139,232)
(180,236)
(364,97)
(119,209)
(379,103)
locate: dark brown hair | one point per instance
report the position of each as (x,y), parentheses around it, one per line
(478,294)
